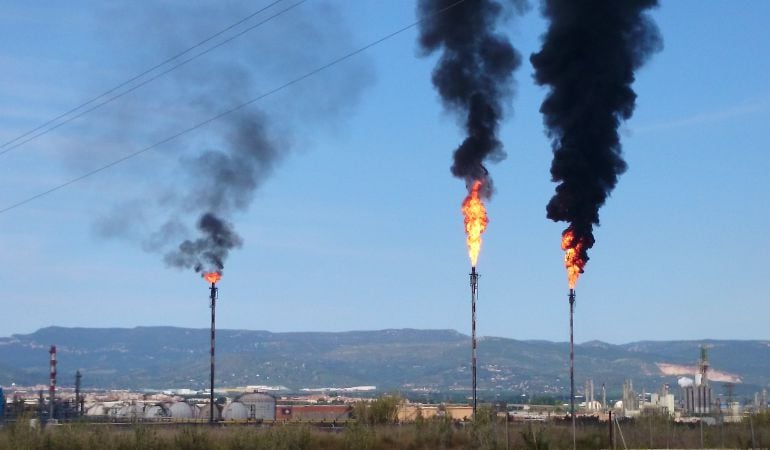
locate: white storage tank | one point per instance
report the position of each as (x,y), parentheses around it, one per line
(202,411)
(180,410)
(260,406)
(235,411)
(130,412)
(155,412)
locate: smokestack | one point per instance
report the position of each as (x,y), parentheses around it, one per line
(704,365)
(78,403)
(40,406)
(588,58)
(604,397)
(572,364)
(474,295)
(52,383)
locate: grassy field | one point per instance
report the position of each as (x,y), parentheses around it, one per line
(434,434)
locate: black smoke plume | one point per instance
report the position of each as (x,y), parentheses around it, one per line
(225,181)
(474,75)
(588,58)
(199,185)
(207,253)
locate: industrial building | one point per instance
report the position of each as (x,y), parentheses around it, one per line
(251,406)
(662,402)
(313,413)
(409,412)
(760,401)
(630,402)
(697,395)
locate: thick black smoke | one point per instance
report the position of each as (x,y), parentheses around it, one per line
(207,253)
(225,181)
(473,76)
(588,58)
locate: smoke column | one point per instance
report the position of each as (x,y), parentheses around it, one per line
(208,252)
(474,75)
(588,58)
(193,191)
(226,182)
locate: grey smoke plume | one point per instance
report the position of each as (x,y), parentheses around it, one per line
(474,75)
(191,220)
(589,55)
(225,182)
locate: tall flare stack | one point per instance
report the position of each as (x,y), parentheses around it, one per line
(589,56)
(572,361)
(475,224)
(212,277)
(474,296)
(52,383)
(78,397)
(474,77)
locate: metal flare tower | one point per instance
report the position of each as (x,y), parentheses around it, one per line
(572,363)
(213,297)
(474,295)
(78,398)
(52,383)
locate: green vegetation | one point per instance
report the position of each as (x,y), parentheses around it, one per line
(380,411)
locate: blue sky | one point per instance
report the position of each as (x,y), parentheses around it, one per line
(359,226)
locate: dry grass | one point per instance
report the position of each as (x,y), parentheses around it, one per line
(425,434)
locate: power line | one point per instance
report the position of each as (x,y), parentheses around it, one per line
(229,111)
(14,143)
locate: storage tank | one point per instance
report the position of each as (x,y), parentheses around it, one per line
(180,410)
(260,406)
(201,411)
(235,411)
(155,412)
(97,409)
(130,412)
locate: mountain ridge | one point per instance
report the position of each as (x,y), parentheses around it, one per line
(400,359)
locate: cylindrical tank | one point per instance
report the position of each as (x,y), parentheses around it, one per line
(235,411)
(201,411)
(97,409)
(155,412)
(130,412)
(260,406)
(180,410)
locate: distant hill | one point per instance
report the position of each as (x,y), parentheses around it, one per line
(168,357)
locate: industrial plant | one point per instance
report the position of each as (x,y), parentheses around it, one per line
(693,400)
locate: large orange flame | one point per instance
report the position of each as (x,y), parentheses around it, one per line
(574,259)
(475,221)
(212,277)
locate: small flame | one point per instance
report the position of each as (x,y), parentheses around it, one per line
(574,256)
(475,221)
(212,277)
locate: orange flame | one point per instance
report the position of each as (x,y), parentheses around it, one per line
(212,277)
(475,221)
(574,259)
